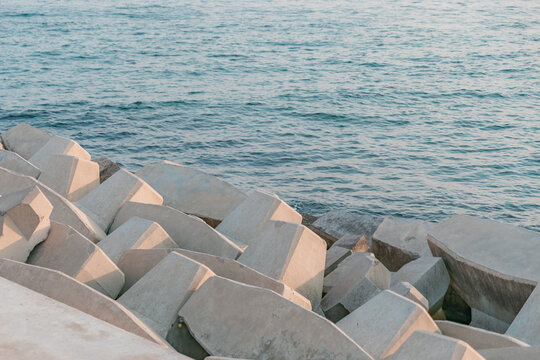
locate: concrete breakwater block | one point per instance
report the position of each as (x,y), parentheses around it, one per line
(24,222)
(365,277)
(136,233)
(526,325)
(192,191)
(405,289)
(244,223)
(69,291)
(36,326)
(14,162)
(398,241)
(70,176)
(63,210)
(428,346)
(290,253)
(107,168)
(478,338)
(339,223)
(68,251)
(343,248)
(103,203)
(512,353)
(235,320)
(429,276)
(382,324)
(157,296)
(189,232)
(25,139)
(57,145)
(136,263)
(494,266)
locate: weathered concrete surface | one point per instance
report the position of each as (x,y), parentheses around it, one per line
(68,251)
(405,289)
(247,220)
(428,346)
(334,256)
(14,162)
(478,338)
(485,321)
(136,263)
(355,243)
(157,296)
(103,203)
(342,248)
(382,324)
(189,232)
(69,291)
(429,276)
(232,319)
(107,168)
(136,233)
(526,325)
(192,191)
(398,241)
(25,140)
(70,176)
(493,266)
(57,145)
(512,353)
(24,222)
(291,253)
(34,326)
(365,277)
(339,223)
(63,210)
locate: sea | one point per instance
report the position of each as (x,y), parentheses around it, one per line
(414,108)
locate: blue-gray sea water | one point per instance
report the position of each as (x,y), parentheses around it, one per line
(418,108)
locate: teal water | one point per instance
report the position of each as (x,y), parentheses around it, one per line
(419,108)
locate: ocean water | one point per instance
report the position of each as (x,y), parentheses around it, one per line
(420,108)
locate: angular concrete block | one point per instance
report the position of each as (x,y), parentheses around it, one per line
(342,248)
(189,232)
(192,191)
(494,266)
(382,324)
(107,168)
(24,222)
(25,139)
(35,326)
(14,162)
(243,224)
(405,289)
(513,353)
(68,251)
(365,278)
(70,176)
(478,338)
(136,263)
(136,233)
(429,276)
(355,243)
(526,325)
(339,223)
(232,319)
(160,293)
(69,291)
(103,202)
(291,253)
(485,321)
(57,145)
(398,241)
(428,346)
(63,210)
